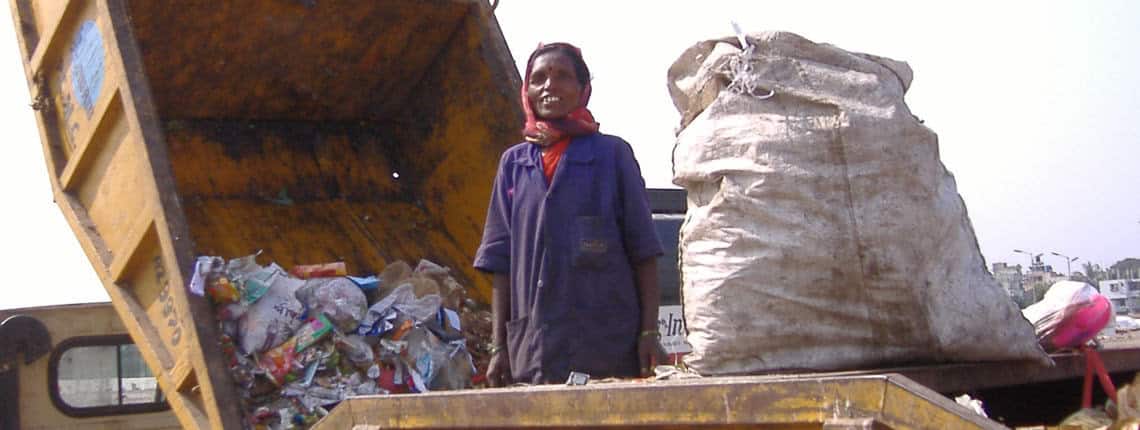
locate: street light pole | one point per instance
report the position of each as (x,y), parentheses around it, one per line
(1032,259)
(1068,262)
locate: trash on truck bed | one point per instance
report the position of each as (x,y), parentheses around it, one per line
(299,342)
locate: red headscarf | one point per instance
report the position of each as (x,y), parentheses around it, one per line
(578,122)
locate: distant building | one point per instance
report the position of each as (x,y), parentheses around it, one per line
(1038,278)
(1010,279)
(1124,294)
(1040,274)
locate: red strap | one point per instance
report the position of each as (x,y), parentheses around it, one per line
(1094,364)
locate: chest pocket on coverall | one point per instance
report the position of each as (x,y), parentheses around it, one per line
(595,241)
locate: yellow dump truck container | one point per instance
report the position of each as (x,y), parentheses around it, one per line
(330,130)
(311,130)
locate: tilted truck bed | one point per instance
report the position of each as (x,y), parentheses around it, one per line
(314,131)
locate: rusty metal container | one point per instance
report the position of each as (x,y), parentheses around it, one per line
(312,130)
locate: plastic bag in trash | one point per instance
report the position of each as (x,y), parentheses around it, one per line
(426,355)
(338,298)
(393,276)
(273,318)
(429,268)
(453,293)
(455,373)
(402,300)
(356,350)
(423,286)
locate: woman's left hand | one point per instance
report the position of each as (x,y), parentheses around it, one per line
(649,354)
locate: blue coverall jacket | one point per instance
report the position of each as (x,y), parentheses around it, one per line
(569,250)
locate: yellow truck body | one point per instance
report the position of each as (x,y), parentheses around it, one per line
(329,130)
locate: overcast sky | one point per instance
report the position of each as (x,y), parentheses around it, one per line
(1036,105)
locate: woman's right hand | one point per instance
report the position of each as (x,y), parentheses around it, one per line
(499,369)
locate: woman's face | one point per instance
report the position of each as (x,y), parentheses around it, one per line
(553,89)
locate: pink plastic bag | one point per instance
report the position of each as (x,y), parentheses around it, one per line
(1070,314)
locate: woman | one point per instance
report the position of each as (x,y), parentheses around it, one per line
(569,240)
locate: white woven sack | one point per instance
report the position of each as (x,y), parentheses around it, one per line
(822,231)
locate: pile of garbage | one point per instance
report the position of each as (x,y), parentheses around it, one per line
(300,341)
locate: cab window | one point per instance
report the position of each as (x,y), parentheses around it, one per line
(102,375)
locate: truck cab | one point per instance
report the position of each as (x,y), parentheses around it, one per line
(72,366)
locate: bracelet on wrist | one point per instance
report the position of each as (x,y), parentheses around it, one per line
(647,333)
(495,349)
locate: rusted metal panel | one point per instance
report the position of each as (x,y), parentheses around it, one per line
(355,131)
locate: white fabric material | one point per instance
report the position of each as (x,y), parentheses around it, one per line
(822,231)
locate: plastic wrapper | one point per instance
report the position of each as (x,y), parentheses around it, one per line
(390,351)
(326,270)
(239,267)
(445,326)
(273,318)
(337,298)
(278,362)
(313,331)
(204,268)
(382,316)
(367,283)
(256,281)
(222,291)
